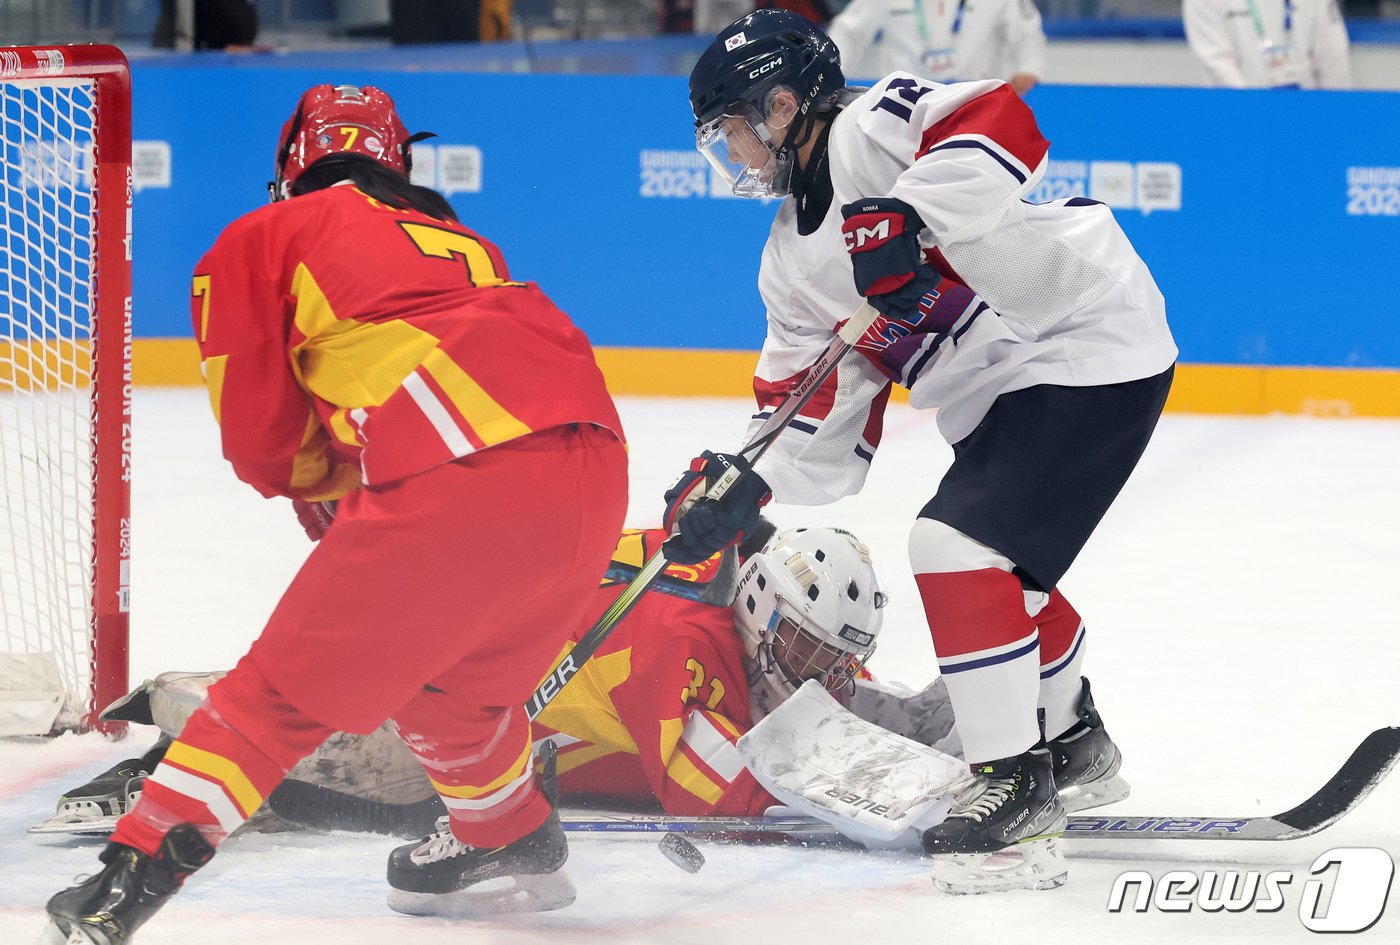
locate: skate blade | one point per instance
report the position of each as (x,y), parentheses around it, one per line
(82,816)
(1034,865)
(54,935)
(500,896)
(96,827)
(1100,793)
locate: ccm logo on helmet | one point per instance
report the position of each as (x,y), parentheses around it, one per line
(858,237)
(768,66)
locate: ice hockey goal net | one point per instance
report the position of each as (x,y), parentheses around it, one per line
(65,384)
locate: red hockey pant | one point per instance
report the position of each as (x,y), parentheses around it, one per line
(439,601)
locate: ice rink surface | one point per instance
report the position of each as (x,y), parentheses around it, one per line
(1244,637)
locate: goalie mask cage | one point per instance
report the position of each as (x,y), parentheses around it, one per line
(65,384)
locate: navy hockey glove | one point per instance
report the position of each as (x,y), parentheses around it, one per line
(882,236)
(702,527)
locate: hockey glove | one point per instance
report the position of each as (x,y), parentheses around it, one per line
(901,346)
(882,236)
(315,517)
(701,527)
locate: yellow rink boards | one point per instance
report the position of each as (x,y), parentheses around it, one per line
(675,372)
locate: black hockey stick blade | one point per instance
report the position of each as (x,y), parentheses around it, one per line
(321,808)
(1367,767)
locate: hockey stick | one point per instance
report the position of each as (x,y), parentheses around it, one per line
(817,374)
(328,809)
(1358,776)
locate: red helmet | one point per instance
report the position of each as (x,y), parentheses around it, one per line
(340,119)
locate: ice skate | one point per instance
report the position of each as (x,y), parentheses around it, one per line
(1086,761)
(108,908)
(1005,835)
(441,876)
(95,807)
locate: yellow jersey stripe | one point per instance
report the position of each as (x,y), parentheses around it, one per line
(491,422)
(214,369)
(309,465)
(341,428)
(724,723)
(683,772)
(314,315)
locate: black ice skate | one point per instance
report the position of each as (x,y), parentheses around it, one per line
(1003,836)
(108,908)
(1086,761)
(95,807)
(439,875)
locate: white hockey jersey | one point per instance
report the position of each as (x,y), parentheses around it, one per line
(1254,44)
(1064,299)
(945,40)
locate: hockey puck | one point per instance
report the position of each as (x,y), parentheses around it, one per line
(682,852)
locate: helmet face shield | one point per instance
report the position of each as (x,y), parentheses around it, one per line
(749,62)
(800,654)
(740,149)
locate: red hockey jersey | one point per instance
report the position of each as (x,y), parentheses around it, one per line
(345,341)
(654,715)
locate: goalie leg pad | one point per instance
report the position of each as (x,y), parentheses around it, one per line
(876,787)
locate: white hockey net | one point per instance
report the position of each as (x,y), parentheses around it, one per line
(47,317)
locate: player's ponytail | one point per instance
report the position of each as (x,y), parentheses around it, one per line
(375,180)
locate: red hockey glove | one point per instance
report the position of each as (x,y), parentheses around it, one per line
(882,236)
(701,527)
(315,517)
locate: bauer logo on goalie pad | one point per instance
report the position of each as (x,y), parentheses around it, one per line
(857,802)
(870,784)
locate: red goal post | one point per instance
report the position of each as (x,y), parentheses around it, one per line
(65,384)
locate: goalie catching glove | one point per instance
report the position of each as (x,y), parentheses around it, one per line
(918,306)
(701,527)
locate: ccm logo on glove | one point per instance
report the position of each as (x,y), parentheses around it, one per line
(860,237)
(882,236)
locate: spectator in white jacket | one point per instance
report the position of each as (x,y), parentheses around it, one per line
(1270,44)
(944,40)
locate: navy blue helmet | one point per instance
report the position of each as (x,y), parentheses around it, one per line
(744,128)
(757,52)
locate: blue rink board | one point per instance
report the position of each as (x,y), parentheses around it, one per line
(1278,246)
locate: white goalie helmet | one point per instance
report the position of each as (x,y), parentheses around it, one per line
(808,607)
